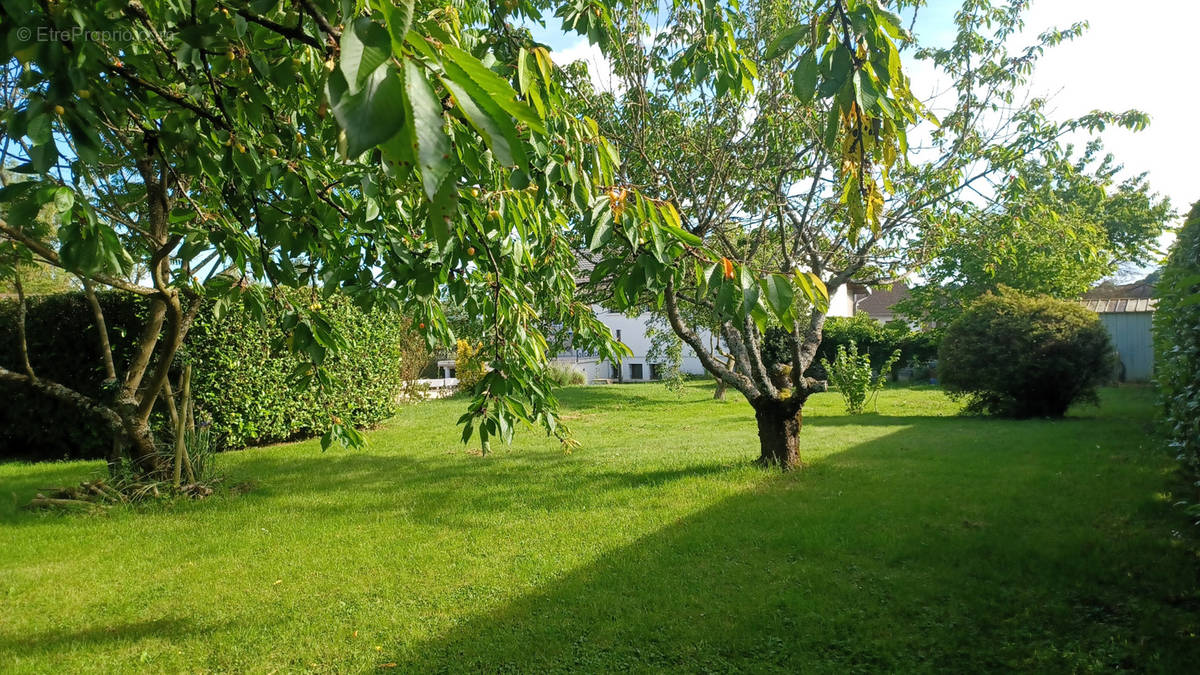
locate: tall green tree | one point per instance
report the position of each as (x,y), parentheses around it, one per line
(1057,224)
(807,183)
(380,150)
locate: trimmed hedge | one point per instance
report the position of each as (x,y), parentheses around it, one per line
(63,347)
(1177,346)
(1017,355)
(240,381)
(877,340)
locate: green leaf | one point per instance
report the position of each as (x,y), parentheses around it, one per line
(492,123)
(365,46)
(433,145)
(43,157)
(496,87)
(779,294)
(813,288)
(602,231)
(369,116)
(839,70)
(93,248)
(749,289)
(785,42)
(398,16)
(443,209)
(523,70)
(64,199)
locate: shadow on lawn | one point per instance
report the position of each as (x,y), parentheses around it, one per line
(65,639)
(450,493)
(872,561)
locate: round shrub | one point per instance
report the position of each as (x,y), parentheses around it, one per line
(1019,356)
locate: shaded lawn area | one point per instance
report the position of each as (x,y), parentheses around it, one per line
(915,540)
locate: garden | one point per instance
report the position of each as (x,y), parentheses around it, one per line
(916,539)
(237,237)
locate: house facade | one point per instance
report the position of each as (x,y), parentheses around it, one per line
(633,331)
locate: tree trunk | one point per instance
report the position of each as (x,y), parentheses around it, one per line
(778,431)
(143,451)
(719,392)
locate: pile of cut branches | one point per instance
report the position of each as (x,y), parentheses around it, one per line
(98,495)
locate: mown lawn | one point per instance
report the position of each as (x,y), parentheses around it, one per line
(915,540)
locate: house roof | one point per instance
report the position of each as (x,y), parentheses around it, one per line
(1107,290)
(1120,305)
(881,300)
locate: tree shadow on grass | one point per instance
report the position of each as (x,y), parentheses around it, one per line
(873,561)
(429,490)
(102,637)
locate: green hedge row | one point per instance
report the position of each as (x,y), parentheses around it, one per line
(1177,344)
(240,381)
(876,339)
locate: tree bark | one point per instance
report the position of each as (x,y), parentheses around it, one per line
(719,393)
(778,432)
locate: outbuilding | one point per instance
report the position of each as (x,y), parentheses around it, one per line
(1129,322)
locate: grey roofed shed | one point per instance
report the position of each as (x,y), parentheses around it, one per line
(1129,322)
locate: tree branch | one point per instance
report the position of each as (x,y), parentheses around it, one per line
(736,380)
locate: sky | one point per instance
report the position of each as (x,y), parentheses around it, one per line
(1134,55)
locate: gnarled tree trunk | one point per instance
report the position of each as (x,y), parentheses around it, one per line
(778,432)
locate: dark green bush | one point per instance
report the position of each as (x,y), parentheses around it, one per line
(1177,345)
(1020,356)
(240,382)
(63,347)
(876,340)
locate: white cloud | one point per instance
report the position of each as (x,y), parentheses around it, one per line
(599,67)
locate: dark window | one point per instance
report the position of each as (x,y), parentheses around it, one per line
(616,370)
(635,371)
(618,335)
(655,371)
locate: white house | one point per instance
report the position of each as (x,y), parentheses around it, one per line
(632,332)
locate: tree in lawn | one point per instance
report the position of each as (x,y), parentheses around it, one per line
(226,149)
(1062,223)
(804,184)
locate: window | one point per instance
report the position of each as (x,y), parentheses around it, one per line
(616,371)
(618,335)
(656,371)
(635,371)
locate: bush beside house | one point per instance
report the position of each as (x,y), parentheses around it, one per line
(877,340)
(1016,355)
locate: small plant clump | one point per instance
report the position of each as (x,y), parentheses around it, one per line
(851,373)
(468,365)
(565,375)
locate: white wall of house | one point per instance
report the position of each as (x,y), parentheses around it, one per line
(631,330)
(841,303)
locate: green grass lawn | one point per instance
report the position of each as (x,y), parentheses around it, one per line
(915,540)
